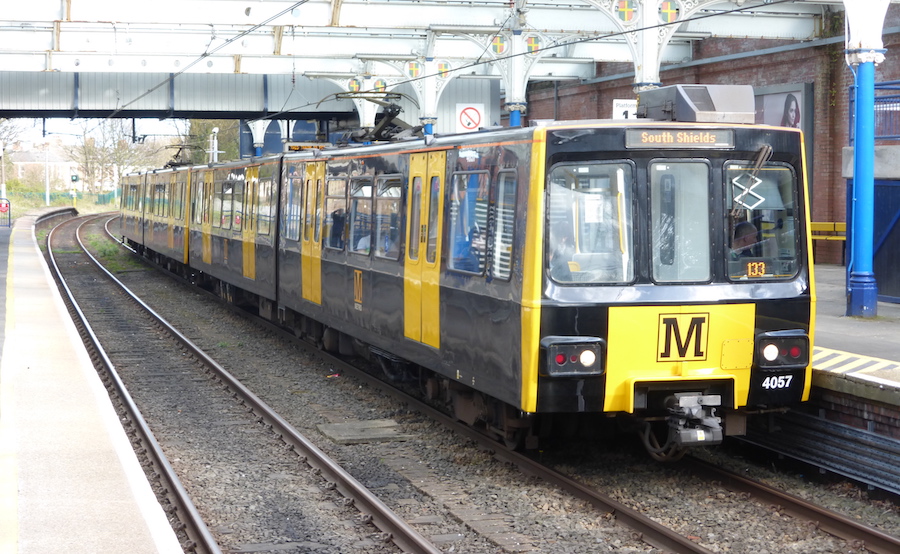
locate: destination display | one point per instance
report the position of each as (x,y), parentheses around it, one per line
(679,138)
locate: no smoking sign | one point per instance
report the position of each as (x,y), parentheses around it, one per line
(469,117)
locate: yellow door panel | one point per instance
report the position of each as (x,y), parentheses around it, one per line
(422,265)
(248,228)
(415,235)
(532,274)
(169,213)
(186,213)
(431,269)
(311,239)
(206,227)
(667,343)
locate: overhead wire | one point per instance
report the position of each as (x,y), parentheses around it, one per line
(556,45)
(479,62)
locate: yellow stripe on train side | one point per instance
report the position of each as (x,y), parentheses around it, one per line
(678,343)
(533,271)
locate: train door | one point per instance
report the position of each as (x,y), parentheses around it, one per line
(184,178)
(206,226)
(248,227)
(140,202)
(311,240)
(422,265)
(169,212)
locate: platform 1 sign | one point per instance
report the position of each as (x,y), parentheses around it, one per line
(469,117)
(624,109)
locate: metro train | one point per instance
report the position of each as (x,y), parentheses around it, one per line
(655,271)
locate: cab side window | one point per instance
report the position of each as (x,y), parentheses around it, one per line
(504,206)
(335,213)
(360,215)
(468,222)
(387,216)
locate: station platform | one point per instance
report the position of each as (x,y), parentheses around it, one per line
(69,479)
(70,482)
(854,355)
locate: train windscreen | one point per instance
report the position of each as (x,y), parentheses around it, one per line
(590,222)
(762,228)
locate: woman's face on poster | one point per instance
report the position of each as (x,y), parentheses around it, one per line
(792,113)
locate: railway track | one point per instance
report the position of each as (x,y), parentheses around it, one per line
(645,528)
(86,270)
(857,534)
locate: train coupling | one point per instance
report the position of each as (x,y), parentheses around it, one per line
(692,419)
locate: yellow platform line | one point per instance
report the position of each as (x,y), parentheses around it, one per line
(837,361)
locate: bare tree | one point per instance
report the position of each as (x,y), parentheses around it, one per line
(106,151)
(9,132)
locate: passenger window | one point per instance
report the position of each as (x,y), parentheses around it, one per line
(468,222)
(207,197)
(217,217)
(178,197)
(679,202)
(336,213)
(387,217)
(361,215)
(197,197)
(290,217)
(318,212)
(433,215)
(415,208)
(160,200)
(504,225)
(237,205)
(265,207)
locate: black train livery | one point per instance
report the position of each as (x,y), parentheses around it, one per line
(654,271)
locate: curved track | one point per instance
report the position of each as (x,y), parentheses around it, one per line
(650,531)
(181,506)
(395,529)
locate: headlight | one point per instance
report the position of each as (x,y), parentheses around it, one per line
(782,349)
(572,356)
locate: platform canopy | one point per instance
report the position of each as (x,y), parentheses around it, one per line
(355,45)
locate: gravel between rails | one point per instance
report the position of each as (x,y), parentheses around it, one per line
(437,480)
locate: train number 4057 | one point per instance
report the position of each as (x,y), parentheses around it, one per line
(777,382)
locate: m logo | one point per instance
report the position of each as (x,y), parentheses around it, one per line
(682,337)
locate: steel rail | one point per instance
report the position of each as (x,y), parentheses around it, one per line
(194,526)
(831,522)
(396,528)
(646,528)
(857,454)
(650,531)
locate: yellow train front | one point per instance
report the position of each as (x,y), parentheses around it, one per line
(675,283)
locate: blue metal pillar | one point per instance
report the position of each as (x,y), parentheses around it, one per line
(516,111)
(515,118)
(862,300)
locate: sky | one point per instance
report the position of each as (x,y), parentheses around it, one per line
(68,131)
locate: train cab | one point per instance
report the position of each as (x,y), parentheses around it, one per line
(166,214)
(131,222)
(678,280)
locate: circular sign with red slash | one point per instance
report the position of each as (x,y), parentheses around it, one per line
(469,117)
